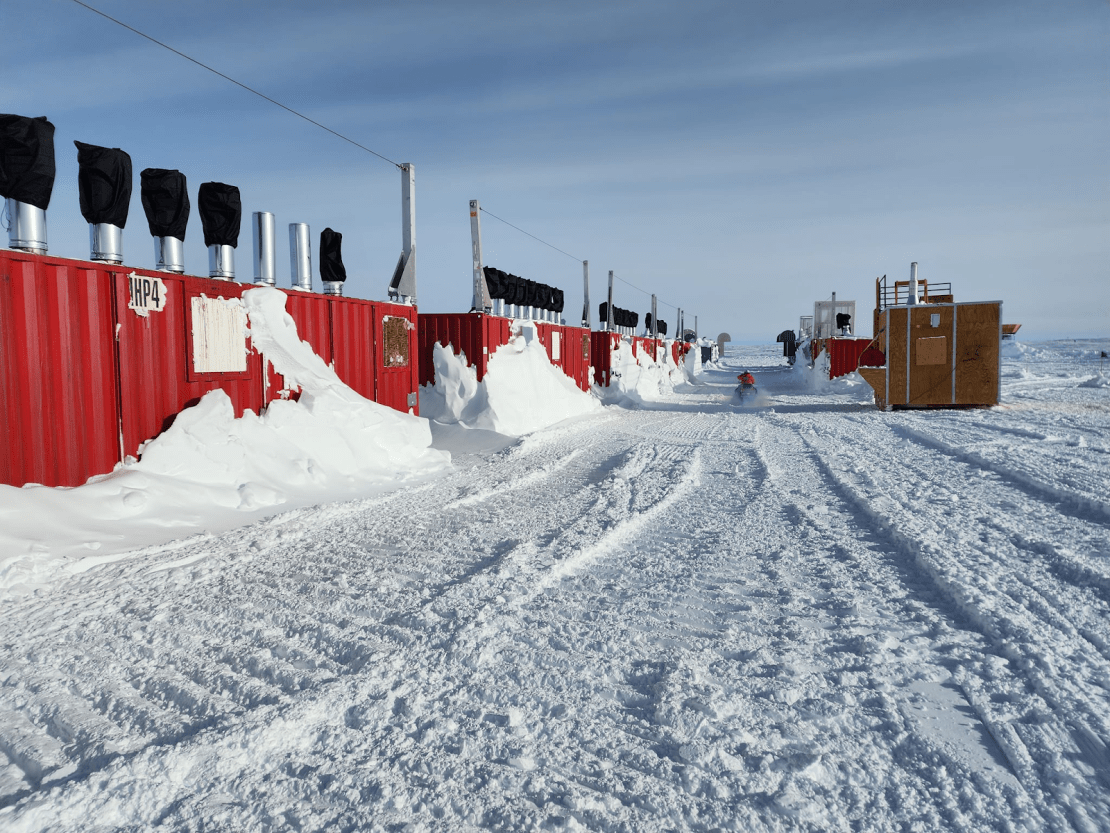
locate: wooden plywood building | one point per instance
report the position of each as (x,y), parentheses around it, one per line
(937,354)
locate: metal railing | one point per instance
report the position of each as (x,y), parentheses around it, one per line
(896,293)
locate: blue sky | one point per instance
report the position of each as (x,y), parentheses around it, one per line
(740,159)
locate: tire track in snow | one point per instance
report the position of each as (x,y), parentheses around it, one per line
(1013,631)
(1079,506)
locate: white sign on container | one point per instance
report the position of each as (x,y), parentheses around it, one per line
(219,335)
(147,294)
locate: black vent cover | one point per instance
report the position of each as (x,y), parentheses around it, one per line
(27,159)
(165,201)
(220,213)
(331,256)
(104,184)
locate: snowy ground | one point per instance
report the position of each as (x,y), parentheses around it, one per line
(805,614)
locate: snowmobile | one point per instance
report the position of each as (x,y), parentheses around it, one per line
(746,388)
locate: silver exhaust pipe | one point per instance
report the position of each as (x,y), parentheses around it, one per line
(169,255)
(265,248)
(221,262)
(105,243)
(26,227)
(300,256)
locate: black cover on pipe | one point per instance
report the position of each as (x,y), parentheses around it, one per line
(165,201)
(493,281)
(27,159)
(331,256)
(558,300)
(661,327)
(843,320)
(220,213)
(647,321)
(603,311)
(104,184)
(635,320)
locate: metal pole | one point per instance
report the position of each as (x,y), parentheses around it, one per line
(654,319)
(481,294)
(609,317)
(586,294)
(407,287)
(695,328)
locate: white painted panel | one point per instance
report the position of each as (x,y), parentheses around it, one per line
(555,347)
(219,335)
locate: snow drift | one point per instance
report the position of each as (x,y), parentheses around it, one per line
(209,468)
(636,379)
(521,392)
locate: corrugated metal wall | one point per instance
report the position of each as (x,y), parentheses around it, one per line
(844,355)
(57,371)
(602,345)
(156,375)
(86,378)
(473,334)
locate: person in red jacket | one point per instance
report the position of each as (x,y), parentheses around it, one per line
(746,379)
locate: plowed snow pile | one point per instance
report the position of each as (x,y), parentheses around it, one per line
(209,469)
(521,391)
(800,614)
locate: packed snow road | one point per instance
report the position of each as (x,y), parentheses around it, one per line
(801,614)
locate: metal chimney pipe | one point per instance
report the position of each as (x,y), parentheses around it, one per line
(300,256)
(26,227)
(265,248)
(169,255)
(221,262)
(914,296)
(333,287)
(105,242)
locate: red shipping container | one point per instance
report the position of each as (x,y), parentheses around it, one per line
(58,394)
(602,345)
(474,334)
(844,355)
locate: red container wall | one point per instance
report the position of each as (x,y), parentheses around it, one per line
(312,314)
(58,397)
(475,335)
(395,384)
(577,355)
(353,333)
(155,359)
(574,350)
(602,345)
(844,355)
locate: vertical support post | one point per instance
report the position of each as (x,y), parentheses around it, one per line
(654,319)
(408,209)
(481,294)
(586,294)
(402,287)
(695,328)
(609,317)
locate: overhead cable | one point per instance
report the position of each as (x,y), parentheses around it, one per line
(237,83)
(522,231)
(572,257)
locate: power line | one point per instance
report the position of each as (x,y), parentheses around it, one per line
(522,231)
(658,300)
(237,83)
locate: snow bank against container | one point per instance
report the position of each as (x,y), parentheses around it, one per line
(210,471)
(520,393)
(636,379)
